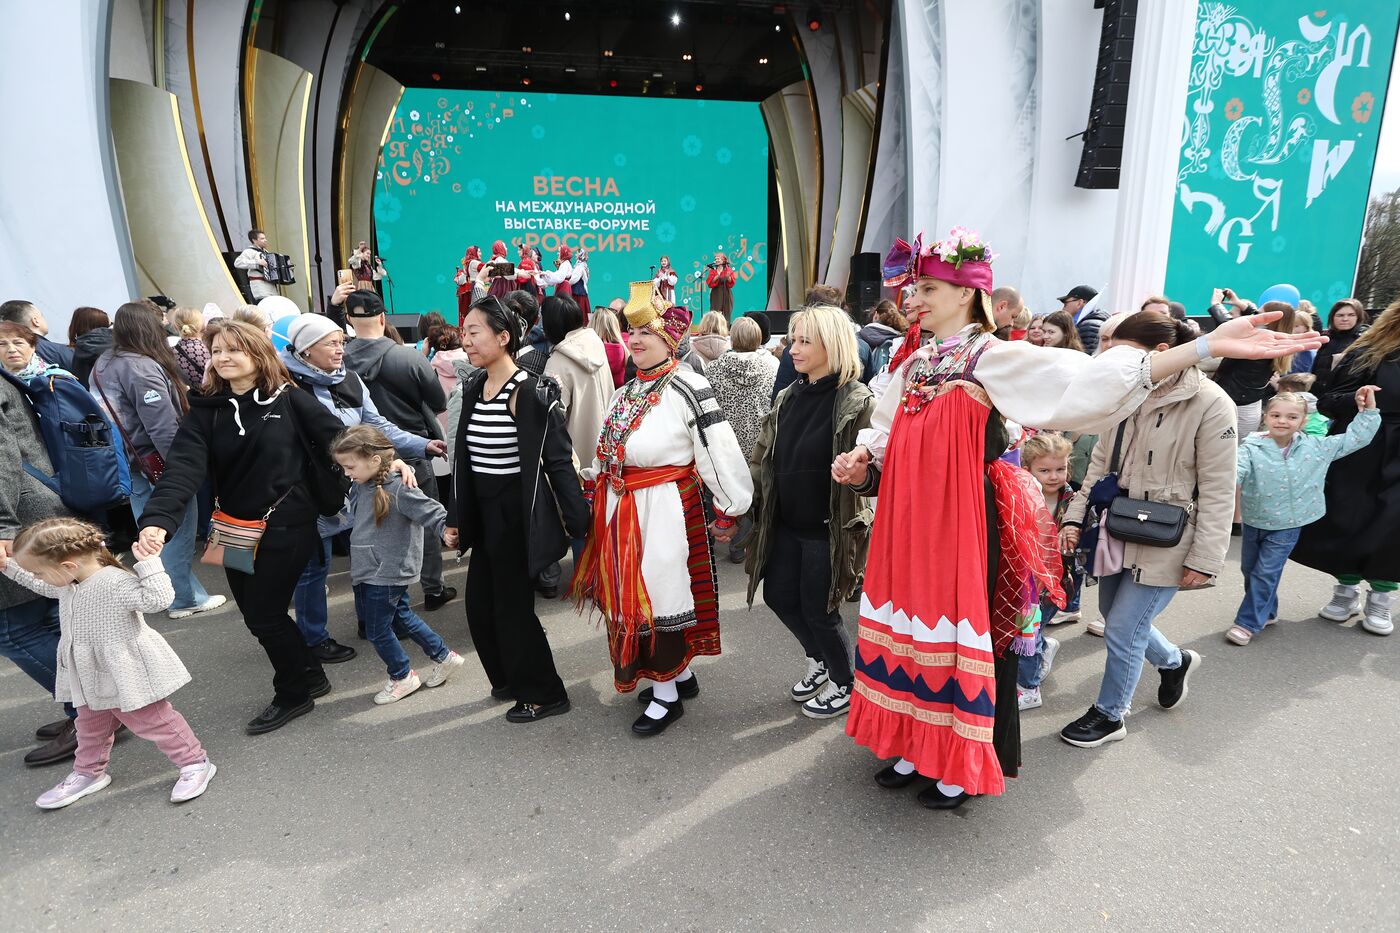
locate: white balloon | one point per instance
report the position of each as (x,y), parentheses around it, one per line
(277,307)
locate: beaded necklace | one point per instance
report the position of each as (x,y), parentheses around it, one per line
(638,397)
(954,357)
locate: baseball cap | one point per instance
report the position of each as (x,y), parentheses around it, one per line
(1079,292)
(363,303)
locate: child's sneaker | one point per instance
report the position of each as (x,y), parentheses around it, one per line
(1239,635)
(1346,602)
(1047,657)
(1028,698)
(71,789)
(441,670)
(396,690)
(1095,627)
(194,780)
(1377,615)
(1064,617)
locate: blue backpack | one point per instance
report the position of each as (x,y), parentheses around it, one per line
(89,459)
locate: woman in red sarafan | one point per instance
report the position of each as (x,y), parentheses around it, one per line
(939,639)
(466,278)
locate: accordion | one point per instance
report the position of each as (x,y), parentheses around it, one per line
(280,269)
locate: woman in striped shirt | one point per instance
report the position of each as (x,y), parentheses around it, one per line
(516,490)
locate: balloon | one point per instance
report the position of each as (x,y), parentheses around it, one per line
(278,306)
(1284,292)
(280,339)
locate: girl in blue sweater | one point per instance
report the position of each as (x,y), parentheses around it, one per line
(1281,475)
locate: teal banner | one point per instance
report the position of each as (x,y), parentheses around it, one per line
(1282,120)
(627,179)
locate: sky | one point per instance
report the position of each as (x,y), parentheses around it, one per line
(1387,172)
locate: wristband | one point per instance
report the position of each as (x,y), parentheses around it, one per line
(724,522)
(1203,347)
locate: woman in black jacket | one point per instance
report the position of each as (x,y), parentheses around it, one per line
(515,480)
(1345,322)
(254,433)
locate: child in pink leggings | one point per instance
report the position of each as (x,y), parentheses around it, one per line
(111,665)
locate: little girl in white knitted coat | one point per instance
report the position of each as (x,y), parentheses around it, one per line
(113,667)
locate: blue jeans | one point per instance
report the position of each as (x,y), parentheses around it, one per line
(1128,608)
(1262,557)
(29,637)
(382,607)
(178,555)
(1030,670)
(310,597)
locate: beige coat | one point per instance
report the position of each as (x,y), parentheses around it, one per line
(1178,447)
(579,363)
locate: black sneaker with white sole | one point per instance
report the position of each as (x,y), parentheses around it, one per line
(1177,681)
(1093,729)
(812,684)
(833,700)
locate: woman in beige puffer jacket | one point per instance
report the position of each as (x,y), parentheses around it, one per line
(1177,448)
(579,363)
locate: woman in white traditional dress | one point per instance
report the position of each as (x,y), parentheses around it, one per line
(649,566)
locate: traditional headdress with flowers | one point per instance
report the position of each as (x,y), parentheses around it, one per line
(960,259)
(645,308)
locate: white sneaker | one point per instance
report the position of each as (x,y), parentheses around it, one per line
(1061,618)
(811,685)
(1047,658)
(441,670)
(832,701)
(194,780)
(396,690)
(70,790)
(1346,602)
(1377,617)
(1028,698)
(210,604)
(1095,627)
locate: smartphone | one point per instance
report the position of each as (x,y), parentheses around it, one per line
(1217,296)
(343,277)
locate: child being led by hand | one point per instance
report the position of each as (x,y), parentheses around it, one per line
(386,556)
(112,667)
(1281,475)
(1046,457)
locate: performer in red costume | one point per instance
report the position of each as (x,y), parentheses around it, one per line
(665,282)
(961,540)
(564,277)
(497,286)
(525,270)
(721,281)
(580,286)
(466,279)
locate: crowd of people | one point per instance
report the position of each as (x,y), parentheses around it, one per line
(1024,456)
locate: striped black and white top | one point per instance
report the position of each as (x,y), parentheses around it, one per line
(492,441)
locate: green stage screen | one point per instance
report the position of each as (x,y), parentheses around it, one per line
(629,179)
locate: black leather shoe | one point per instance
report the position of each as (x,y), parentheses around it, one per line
(935,799)
(277,716)
(548,592)
(432,601)
(331,651)
(502,693)
(533,712)
(892,779)
(647,726)
(54,729)
(688,689)
(60,748)
(319,688)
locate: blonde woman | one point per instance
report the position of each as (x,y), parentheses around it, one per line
(810,534)
(711,337)
(191,355)
(608,330)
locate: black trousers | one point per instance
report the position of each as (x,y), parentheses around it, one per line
(507,634)
(263,599)
(796,583)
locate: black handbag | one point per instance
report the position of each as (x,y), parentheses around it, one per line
(1142,521)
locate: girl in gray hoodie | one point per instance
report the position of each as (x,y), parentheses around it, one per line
(386,556)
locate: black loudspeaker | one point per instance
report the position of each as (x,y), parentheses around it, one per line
(778,320)
(1102,159)
(405,324)
(863,287)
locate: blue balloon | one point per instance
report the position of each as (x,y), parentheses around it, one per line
(1282,292)
(280,340)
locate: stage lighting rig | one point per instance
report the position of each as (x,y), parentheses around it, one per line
(814,17)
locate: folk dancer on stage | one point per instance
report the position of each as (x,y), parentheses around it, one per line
(580,285)
(940,637)
(489,278)
(649,566)
(566,273)
(466,280)
(365,265)
(665,282)
(255,260)
(721,282)
(525,270)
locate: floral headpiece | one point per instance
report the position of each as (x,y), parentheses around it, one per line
(647,309)
(962,259)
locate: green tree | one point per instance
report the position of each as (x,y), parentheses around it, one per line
(1378,272)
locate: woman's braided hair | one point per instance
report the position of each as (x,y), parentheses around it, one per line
(60,539)
(365,442)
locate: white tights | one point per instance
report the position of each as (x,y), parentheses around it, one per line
(665,690)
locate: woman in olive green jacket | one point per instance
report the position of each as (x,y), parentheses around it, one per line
(810,535)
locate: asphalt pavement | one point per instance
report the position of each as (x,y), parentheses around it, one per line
(1267,801)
